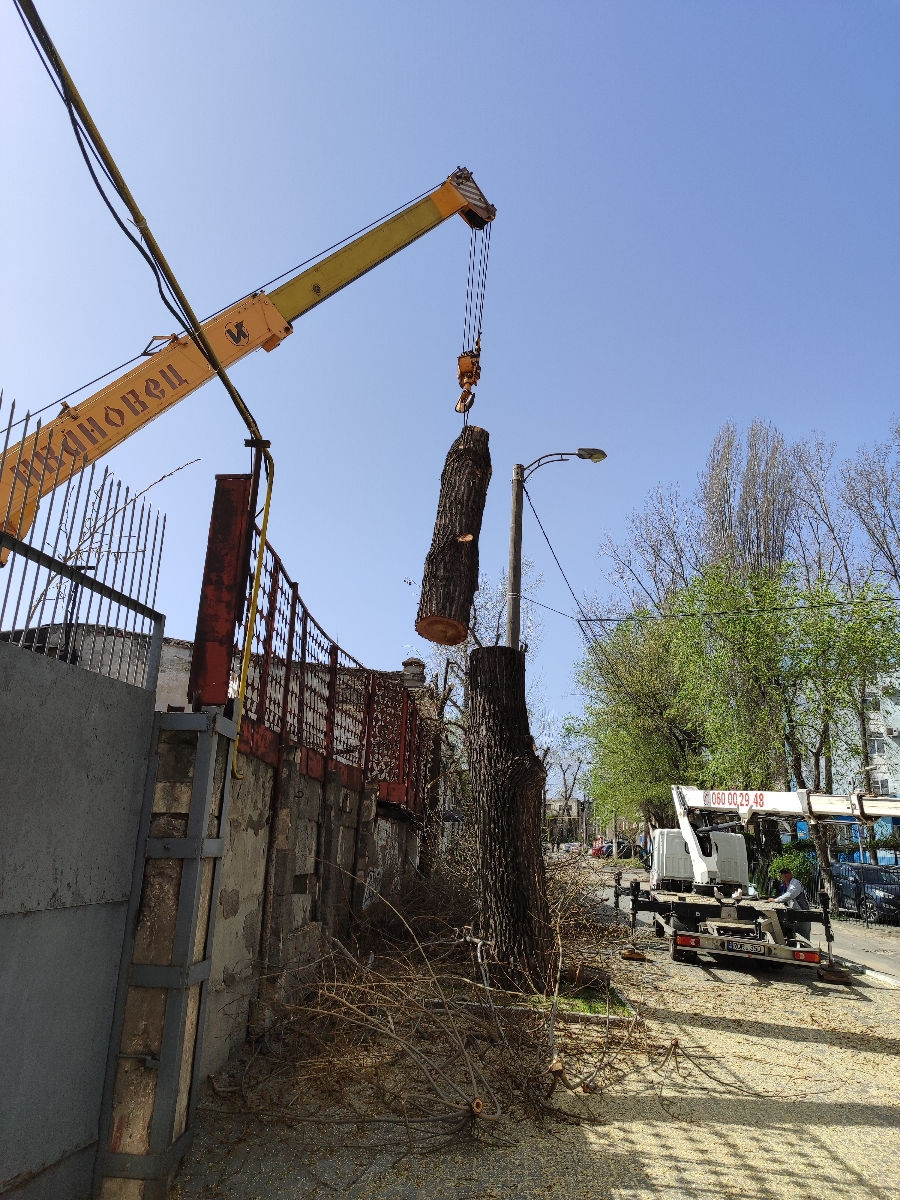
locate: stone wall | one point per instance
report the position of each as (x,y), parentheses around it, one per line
(234,972)
(270,924)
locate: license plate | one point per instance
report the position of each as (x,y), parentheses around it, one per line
(746,947)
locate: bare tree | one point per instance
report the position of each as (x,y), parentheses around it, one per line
(823,533)
(746,496)
(661,553)
(871,491)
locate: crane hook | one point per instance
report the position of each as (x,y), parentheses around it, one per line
(469,374)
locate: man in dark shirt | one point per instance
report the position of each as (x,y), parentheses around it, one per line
(794,896)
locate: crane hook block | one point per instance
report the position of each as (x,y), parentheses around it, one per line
(469,374)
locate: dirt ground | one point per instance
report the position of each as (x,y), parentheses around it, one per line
(750,1083)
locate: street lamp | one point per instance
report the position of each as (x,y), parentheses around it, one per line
(514,573)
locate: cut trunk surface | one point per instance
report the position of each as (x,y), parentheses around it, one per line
(450,580)
(507,787)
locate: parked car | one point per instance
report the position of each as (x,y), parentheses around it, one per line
(626,850)
(873,893)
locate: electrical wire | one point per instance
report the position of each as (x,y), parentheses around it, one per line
(583,618)
(86,131)
(591,642)
(53,66)
(724,613)
(578,603)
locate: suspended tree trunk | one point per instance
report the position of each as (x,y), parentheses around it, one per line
(451,568)
(507,787)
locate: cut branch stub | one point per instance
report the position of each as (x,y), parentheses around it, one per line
(450,580)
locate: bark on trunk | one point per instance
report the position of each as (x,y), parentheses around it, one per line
(818,839)
(507,786)
(769,837)
(450,580)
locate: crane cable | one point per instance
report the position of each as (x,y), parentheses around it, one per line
(470,355)
(86,130)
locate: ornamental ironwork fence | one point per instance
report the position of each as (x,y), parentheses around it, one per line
(80,555)
(302,688)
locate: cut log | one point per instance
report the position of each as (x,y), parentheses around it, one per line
(450,580)
(507,789)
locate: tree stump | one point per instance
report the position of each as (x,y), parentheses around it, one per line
(507,788)
(450,580)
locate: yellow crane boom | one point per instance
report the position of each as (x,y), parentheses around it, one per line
(83,432)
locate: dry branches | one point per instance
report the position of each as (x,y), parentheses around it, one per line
(407,1039)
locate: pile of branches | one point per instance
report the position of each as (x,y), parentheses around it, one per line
(404,1035)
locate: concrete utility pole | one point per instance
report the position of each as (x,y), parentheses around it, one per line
(514,571)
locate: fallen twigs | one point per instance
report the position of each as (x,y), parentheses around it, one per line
(410,1040)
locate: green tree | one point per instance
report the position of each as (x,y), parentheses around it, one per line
(641,737)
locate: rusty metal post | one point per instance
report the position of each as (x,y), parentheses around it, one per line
(331,702)
(288,663)
(265,667)
(223,590)
(368,727)
(301,700)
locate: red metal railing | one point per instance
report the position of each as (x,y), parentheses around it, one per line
(302,688)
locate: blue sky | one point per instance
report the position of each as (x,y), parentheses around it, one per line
(697,221)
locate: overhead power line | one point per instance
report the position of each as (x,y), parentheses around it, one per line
(702,616)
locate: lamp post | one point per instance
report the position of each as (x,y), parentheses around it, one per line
(514,572)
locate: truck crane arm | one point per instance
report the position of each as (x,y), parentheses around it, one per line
(747,804)
(84,432)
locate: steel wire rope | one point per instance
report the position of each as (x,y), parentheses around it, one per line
(343,241)
(261,287)
(476,281)
(85,127)
(482,282)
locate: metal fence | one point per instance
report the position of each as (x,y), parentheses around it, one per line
(304,689)
(80,557)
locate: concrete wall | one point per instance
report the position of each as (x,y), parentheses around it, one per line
(174,671)
(74,757)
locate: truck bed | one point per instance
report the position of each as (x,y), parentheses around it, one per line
(698,923)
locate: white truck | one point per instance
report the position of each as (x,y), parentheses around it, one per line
(700,895)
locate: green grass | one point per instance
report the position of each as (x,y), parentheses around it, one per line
(585,1000)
